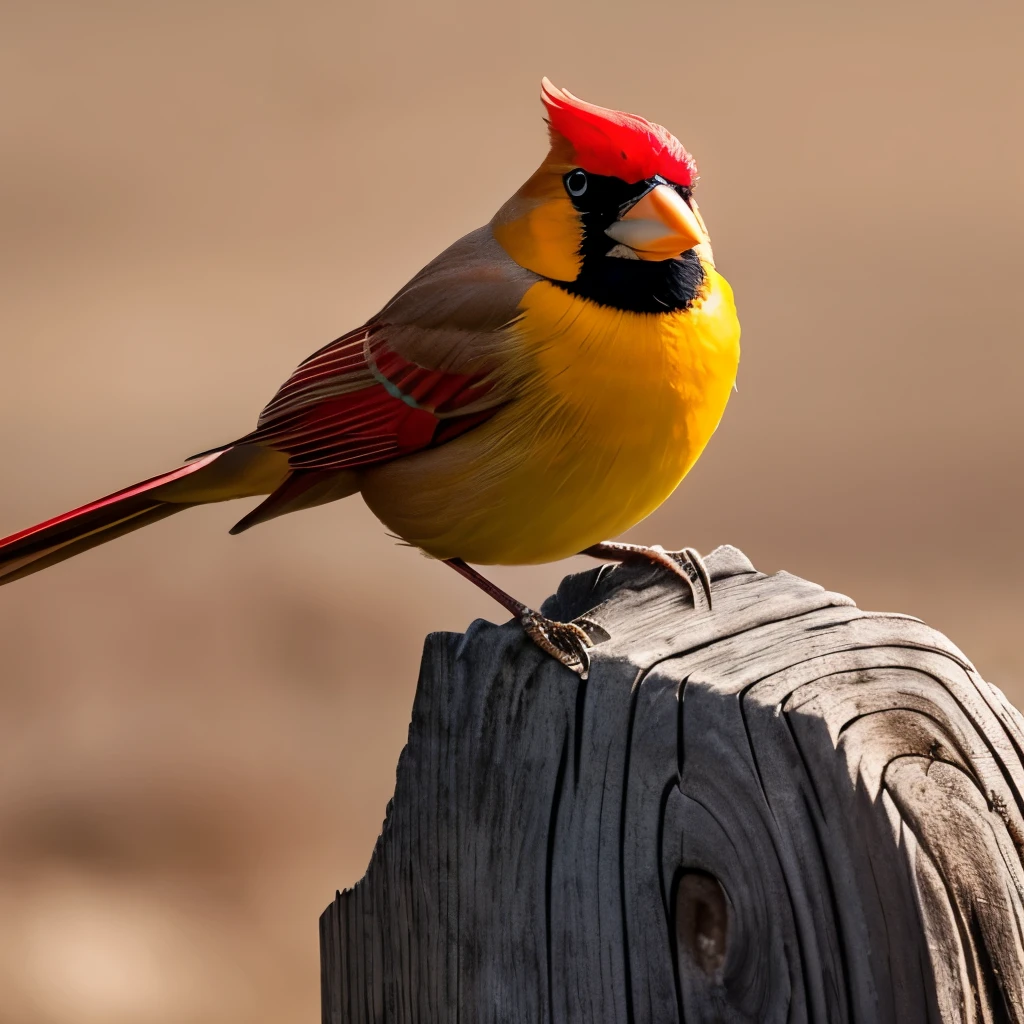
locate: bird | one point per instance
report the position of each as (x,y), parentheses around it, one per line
(541,386)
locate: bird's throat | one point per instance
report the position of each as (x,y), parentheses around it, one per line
(638,286)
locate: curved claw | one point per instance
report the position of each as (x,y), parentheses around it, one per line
(686,564)
(689,560)
(565,641)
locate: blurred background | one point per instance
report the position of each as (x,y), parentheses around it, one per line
(198,734)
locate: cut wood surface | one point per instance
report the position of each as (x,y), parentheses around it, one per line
(785,809)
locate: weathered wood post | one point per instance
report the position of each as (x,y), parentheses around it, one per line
(786,809)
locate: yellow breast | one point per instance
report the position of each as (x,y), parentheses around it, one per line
(618,407)
(655,385)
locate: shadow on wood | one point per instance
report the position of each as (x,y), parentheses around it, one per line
(786,809)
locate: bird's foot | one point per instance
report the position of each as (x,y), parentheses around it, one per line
(565,641)
(686,564)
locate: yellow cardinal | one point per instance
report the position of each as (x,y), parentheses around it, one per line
(545,383)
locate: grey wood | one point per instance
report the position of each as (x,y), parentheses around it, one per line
(784,809)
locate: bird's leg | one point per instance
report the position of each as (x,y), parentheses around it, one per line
(562,640)
(687,564)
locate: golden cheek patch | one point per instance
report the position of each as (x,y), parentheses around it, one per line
(544,238)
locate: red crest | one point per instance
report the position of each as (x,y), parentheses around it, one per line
(612,142)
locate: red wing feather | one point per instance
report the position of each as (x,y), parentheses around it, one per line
(357,402)
(341,364)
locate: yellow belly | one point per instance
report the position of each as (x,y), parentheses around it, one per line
(619,407)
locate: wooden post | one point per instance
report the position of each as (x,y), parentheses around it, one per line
(783,810)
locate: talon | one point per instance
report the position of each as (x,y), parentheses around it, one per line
(565,641)
(696,572)
(687,564)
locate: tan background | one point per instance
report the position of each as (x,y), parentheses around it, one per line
(198,734)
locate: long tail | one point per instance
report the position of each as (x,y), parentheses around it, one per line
(236,472)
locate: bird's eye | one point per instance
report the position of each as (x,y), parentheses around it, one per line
(576,183)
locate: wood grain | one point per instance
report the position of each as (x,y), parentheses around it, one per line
(784,809)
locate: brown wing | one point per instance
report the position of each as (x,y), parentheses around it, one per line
(439,359)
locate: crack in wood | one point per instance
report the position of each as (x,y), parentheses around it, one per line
(556,800)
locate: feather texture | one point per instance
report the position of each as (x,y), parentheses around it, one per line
(618,408)
(437,361)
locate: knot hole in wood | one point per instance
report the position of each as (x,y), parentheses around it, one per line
(701,921)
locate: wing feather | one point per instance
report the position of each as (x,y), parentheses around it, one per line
(440,359)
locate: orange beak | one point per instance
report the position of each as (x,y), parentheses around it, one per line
(660,226)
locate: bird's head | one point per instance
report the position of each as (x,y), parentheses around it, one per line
(610,213)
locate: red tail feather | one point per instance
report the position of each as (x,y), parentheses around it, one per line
(82,528)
